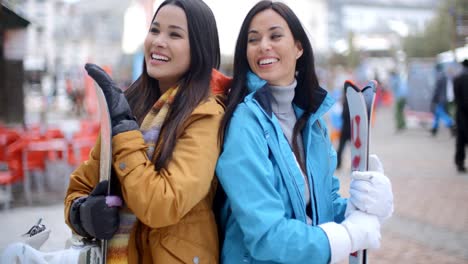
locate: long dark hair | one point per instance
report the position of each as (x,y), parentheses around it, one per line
(194,86)
(307,80)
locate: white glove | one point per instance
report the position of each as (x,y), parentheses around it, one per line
(364,231)
(371,191)
(358,231)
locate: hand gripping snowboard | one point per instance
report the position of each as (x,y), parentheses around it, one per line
(105,160)
(361,104)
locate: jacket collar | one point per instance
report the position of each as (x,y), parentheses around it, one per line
(219,82)
(320,99)
(219,85)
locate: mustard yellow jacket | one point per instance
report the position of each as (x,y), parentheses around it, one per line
(173,206)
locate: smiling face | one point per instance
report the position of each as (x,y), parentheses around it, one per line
(167,47)
(271,49)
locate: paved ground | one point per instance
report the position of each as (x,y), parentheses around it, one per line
(430,223)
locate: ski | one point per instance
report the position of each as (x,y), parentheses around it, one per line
(361,105)
(105,160)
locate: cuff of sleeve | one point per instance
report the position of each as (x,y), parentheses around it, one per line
(338,237)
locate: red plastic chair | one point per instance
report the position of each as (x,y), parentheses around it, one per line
(34,156)
(7,178)
(7,137)
(80,147)
(10,166)
(83,141)
(89,126)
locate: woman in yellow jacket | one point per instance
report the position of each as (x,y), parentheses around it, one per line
(164,148)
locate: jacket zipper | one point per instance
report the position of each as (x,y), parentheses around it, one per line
(302,202)
(313,192)
(328,165)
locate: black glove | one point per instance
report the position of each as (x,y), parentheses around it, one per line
(121,115)
(96,216)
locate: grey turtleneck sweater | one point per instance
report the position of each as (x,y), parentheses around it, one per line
(281,105)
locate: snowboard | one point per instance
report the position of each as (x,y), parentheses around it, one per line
(361,105)
(105,161)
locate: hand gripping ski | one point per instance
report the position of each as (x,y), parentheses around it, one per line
(361,104)
(105,160)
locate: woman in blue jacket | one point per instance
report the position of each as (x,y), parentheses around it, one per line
(277,163)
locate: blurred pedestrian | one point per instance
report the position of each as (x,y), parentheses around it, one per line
(345,134)
(282,201)
(399,90)
(451,72)
(165,146)
(439,102)
(460,86)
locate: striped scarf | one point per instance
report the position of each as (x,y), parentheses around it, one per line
(151,126)
(117,250)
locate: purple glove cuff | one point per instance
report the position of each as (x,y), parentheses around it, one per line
(113,201)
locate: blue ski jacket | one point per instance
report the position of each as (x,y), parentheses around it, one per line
(264,216)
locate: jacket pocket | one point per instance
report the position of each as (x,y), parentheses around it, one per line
(177,250)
